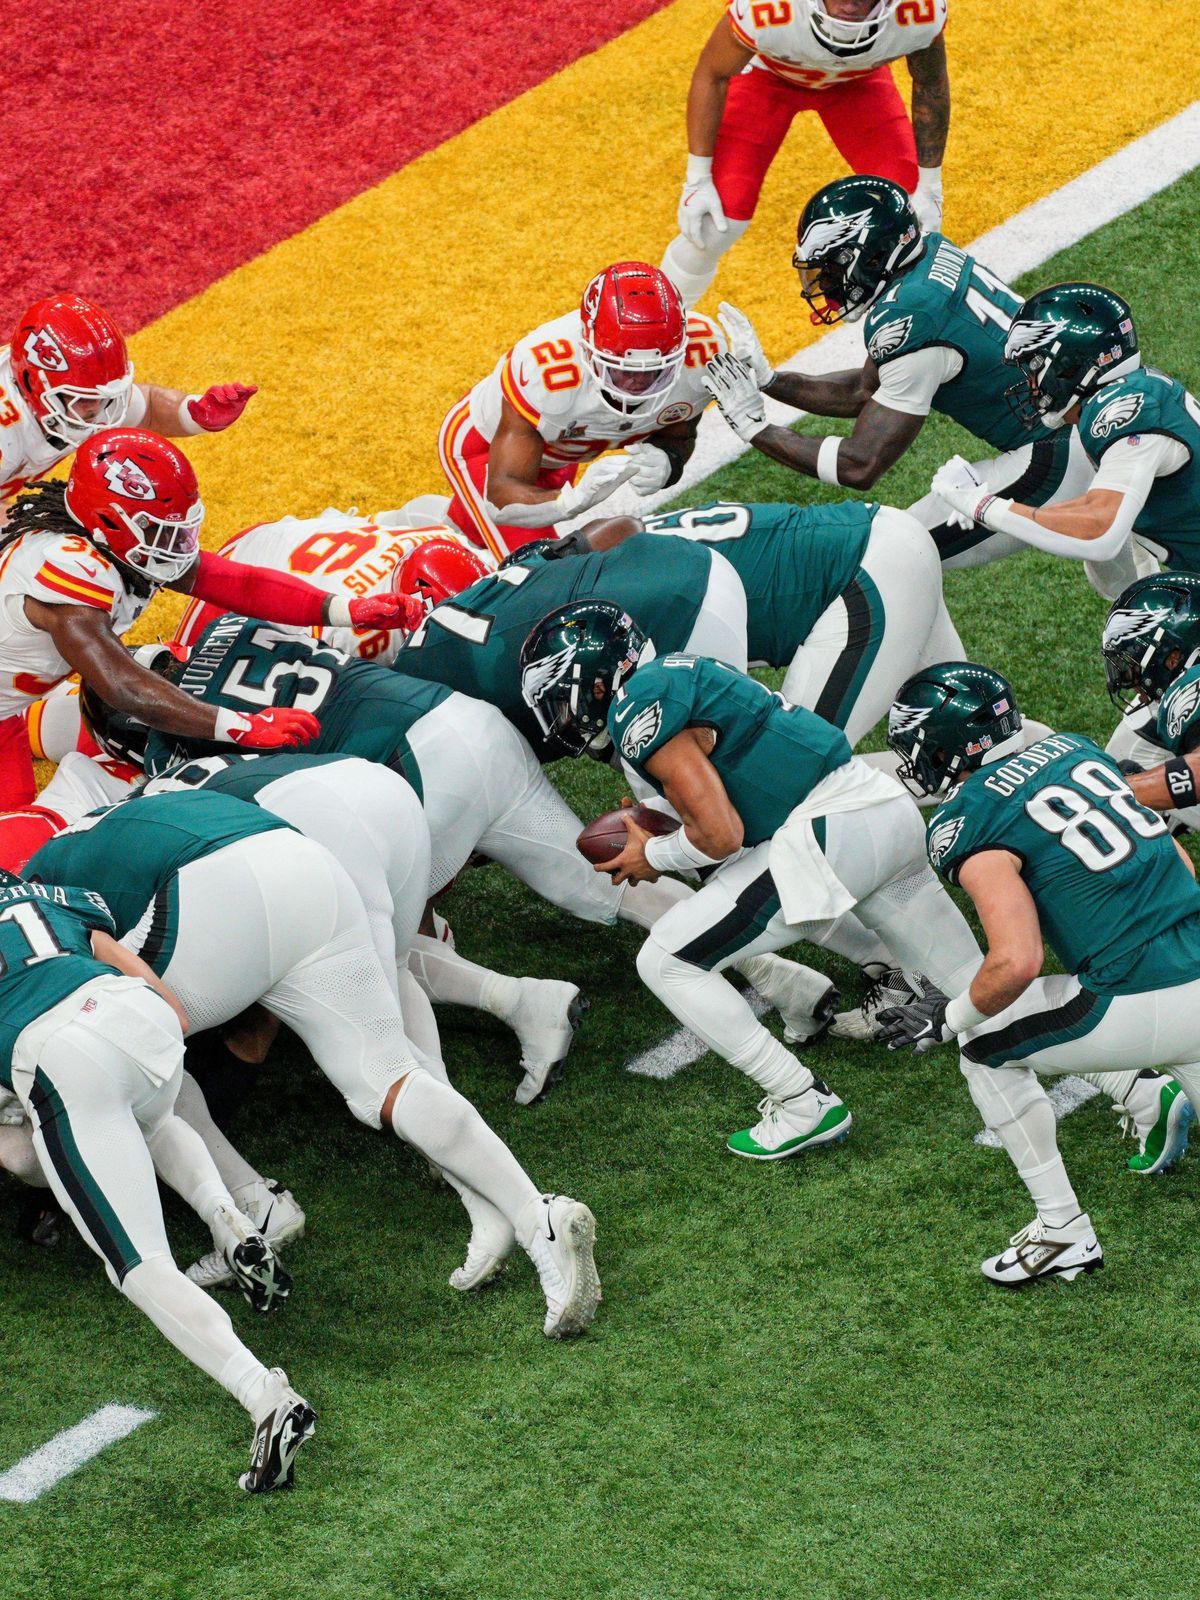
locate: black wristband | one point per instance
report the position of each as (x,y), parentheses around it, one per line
(677,452)
(1181,782)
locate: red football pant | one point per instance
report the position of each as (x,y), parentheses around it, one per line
(865,117)
(17,787)
(463,452)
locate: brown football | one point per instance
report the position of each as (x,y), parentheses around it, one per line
(604,839)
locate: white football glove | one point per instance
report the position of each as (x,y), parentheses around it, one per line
(731,384)
(744,342)
(699,200)
(596,484)
(961,487)
(653,467)
(927,198)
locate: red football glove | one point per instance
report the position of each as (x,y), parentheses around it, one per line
(217,407)
(387,611)
(280,728)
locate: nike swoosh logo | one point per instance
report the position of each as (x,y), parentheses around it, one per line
(92,572)
(550,1233)
(266,1220)
(617,715)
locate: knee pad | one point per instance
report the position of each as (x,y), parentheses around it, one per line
(1002,1095)
(652,963)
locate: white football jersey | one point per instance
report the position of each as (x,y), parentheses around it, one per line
(59,569)
(780,32)
(546,378)
(25,452)
(340,552)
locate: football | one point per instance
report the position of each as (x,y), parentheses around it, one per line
(604,839)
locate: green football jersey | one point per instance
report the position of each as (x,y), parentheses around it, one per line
(1178,723)
(45,954)
(793,561)
(131,853)
(1149,402)
(473,642)
(948,298)
(1116,904)
(242,775)
(770,755)
(243,665)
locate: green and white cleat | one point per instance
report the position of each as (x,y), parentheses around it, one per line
(1160,1115)
(789,1127)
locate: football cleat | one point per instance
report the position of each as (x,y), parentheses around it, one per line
(886,987)
(788,1127)
(545,1021)
(273,1211)
(1040,1251)
(256,1269)
(803,998)
(289,1423)
(1158,1114)
(492,1240)
(562,1252)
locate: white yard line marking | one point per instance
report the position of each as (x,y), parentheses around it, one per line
(68,1451)
(1065,1095)
(1102,194)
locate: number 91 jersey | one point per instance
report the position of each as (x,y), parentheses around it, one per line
(1116,904)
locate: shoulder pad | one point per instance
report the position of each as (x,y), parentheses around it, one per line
(1177,713)
(73,570)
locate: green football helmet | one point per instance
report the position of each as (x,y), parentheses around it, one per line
(120,734)
(947,721)
(1151,636)
(572,665)
(854,238)
(1067,341)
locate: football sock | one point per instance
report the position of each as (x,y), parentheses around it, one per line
(182,1161)
(1114,1084)
(692,268)
(436,1120)
(420,1025)
(450,979)
(1015,1107)
(195,1324)
(192,1108)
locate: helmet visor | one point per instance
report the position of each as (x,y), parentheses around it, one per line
(165,547)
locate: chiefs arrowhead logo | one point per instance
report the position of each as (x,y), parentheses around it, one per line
(1024,337)
(1116,413)
(643,730)
(828,233)
(1179,707)
(887,340)
(42,350)
(942,836)
(126,478)
(591,298)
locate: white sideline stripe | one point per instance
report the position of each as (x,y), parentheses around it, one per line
(1099,196)
(680,1049)
(1065,1095)
(68,1451)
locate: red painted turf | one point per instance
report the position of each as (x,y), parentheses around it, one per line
(152,147)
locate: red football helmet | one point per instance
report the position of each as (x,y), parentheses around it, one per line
(437,569)
(136,497)
(634,332)
(71,365)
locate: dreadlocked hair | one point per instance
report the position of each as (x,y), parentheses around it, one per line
(39,508)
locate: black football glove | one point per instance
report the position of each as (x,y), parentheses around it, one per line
(919,1025)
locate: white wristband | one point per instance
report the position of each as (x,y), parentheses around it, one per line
(827,459)
(675,852)
(229,723)
(338,611)
(930,178)
(187,422)
(698,167)
(961,1014)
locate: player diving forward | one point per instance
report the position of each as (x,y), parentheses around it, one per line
(791,830)
(1050,841)
(935,322)
(230,907)
(91,1044)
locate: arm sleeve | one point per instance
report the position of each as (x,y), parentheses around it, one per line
(257,592)
(910,382)
(138,406)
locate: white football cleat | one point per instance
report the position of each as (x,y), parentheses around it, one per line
(561,1250)
(803,997)
(1040,1251)
(1159,1116)
(788,1127)
(254,1266)
(287,1422)
(544,1020)
(492,1241)
(887,986)
(272,1210)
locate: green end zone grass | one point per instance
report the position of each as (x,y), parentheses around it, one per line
(799,1384)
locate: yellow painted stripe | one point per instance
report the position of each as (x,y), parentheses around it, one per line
(365,328)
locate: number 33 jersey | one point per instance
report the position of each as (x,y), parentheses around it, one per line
(546,379)
(1117,905)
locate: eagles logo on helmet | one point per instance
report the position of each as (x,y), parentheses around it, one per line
(947,719)
(855,237)
(1088,340)
(1151,636)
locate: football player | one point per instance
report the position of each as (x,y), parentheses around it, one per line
(1050,843)
(81,561)
(67,375)
(935,322)
(91,1044)
(763,64)
(624,370)
(229,906)
(789,829)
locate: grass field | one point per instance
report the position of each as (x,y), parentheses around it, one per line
(798,1385)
